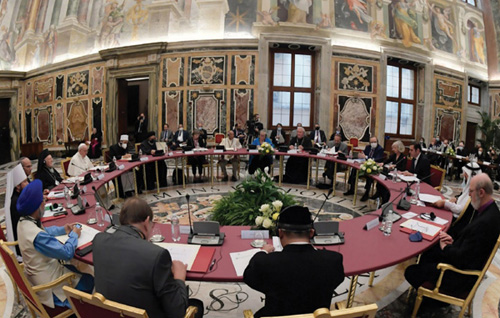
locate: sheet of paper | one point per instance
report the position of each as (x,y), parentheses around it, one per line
(277,244)
(439,220)
(429,198)
(407,178)
(241,259)
(87,236)
(409,215)
(73,180)
(55,195)
(185,253)
(424,228)
(99,168)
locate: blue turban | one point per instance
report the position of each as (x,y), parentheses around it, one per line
(30,199)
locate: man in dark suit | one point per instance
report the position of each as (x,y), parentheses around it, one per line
(203,132)
(278,136)
(372,151)
(308,279)
(166,135)
(148,147)
(180,137)
(339,147)
(420,164)
(149,278)
(465,247)
(317,136)
(141,127)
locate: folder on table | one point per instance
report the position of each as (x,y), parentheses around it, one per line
(203,260)
(428,229)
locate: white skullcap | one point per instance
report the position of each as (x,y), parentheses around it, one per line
(80,146)
(18,175)
(124,137)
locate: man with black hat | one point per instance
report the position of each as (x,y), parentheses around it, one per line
(148,147)
(46,171)
(300,279)
(41,250)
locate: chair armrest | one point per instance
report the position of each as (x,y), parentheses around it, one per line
(247,313)
(340,305)
(444,267)
(67,276)
(13,243)
(190,312)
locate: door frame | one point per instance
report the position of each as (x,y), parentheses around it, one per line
(14,125)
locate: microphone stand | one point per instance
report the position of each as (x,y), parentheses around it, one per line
(321,207)
(189,216)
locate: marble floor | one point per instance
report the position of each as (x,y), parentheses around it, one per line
(389,290)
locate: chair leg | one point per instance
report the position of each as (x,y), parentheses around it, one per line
(410,292)
(372,276)
(418,302)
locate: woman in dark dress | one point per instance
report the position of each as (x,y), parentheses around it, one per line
(46,171)
(196,161)
(95,144)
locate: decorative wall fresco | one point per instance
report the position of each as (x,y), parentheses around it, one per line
(78,83)
(207,70)
(404,22)
(448,92)
(241,16)
(447,124)
(443,25)
(476,46)
(355,77)
(354,117)
(43,124)
(352,15)
(44,90)
(97,80)
(172,101)
(59,119)
(208,109)
(77,114)
(241,106)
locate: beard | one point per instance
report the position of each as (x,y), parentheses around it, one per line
(475,201)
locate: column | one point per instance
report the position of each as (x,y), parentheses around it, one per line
(212,14)
(162,13)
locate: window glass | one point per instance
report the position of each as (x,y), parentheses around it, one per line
(282,69)
(391,117)
(281,108)
(406,120)
(392,81)
(301,108)
(302,70)
(407,84)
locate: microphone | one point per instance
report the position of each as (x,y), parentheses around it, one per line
(397,162)
(189,216)
(78,167)
(381,216)
(321,207)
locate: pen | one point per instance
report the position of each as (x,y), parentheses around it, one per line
(212,265)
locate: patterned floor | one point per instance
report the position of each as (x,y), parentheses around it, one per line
(229,300)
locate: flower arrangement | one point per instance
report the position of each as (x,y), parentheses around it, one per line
(450,151)
(270,214)
(266,149)
(248,201)
(369,167)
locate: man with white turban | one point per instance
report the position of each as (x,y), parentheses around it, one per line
(126,180)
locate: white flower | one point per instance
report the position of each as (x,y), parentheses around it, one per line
(259,220)
(264,208)
(277,205)
(266,169)
(363,168)
(267,223)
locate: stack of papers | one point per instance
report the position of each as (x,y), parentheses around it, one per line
(241,259)
(429,198)
(407,178)
(186,253)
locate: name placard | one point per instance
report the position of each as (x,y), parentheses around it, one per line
(253,151)
(189,153)
(170,153)
(321,154)
(292,151)
(100,177)
(372,224)
(250,234)
(121,167)
(144,158)
(218,151)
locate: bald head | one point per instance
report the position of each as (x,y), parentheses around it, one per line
(26,163)
(481,190)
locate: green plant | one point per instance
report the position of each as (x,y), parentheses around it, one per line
(490,129)
(241,207)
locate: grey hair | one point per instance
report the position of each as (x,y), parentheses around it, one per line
(400,145)
(80,146)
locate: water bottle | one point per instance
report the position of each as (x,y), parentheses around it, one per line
(417,190)
(395,176)
(114,160)
(99,215)
(176,231)
(388,227)
(67,197)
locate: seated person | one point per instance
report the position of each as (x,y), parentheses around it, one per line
(301,278)
(166,135)
(294,132)
(278,136)
(230,143)
(239,133)
(18,183)
(296,167)
(422,142)
(457,205)
(458,163)
(482,155)
(465,248)
(42,252)
(148,147)
(150,279)
(372,151)
(126,180)
(337,132)
(339,147)
(203,132)
(260,161)
(397,160)
(80,162)
(180,138)
(95,144)
(317,136)
(46,171)
(196,162)
(420,165)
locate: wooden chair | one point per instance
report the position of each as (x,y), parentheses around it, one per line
(137,147)
(105,156)
(463,211)
(64,167)
(464,300)
(29,292)
(366,311)
(437,177)
(96,305)
(219,137)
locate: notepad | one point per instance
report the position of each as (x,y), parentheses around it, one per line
(186,253)
(241,259)
(86,236)
(429,198)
